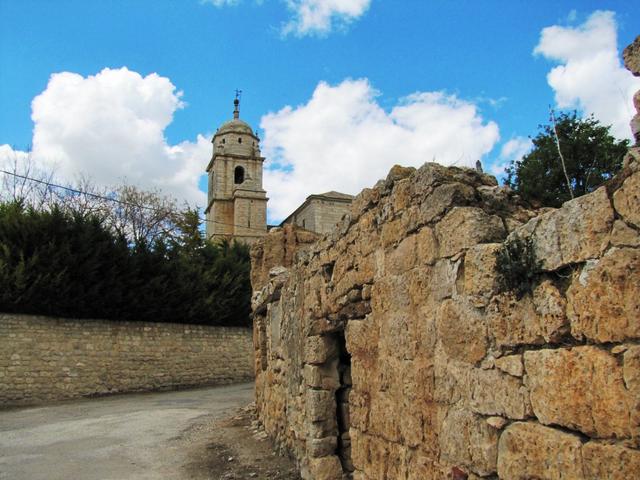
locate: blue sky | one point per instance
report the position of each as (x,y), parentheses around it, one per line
(368,83)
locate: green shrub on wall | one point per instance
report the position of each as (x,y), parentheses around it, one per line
(61,263)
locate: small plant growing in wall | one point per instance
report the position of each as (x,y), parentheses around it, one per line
(517,266)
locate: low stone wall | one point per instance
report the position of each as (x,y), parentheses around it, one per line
(44,359)
(444,330)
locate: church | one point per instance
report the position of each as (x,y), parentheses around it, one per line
(237,203)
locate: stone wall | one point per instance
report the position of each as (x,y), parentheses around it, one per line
(44,359)
(412,344)
(328,214)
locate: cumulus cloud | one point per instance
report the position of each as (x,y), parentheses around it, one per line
(312,17)
(110,126)
(590,76)
(320,16)
(512,150)
(342,139)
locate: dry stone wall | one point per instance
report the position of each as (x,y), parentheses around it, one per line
(406,345)
(44,359)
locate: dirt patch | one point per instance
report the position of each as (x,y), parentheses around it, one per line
(235,448)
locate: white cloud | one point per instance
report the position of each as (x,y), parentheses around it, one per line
(591,77)
(312,17)
(320,16)
(341,139)
(221,3)
(110,126)
(513,150)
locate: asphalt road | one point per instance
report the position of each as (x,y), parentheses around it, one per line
(124,437)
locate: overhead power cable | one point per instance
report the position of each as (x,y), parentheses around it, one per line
(115,200)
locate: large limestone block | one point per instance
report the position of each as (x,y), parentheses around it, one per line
(325,468)
(631,55)
(480,272)
(318,349)
(623,235)
(572,234)
(631,369)
(427,246)
(462,331)
(464,227)
(403,257)
(626,200)
(532,320)
(441,199)
(529,450)
(497,393)
(603,303)
(384,417)
(511,364)
(611,462)
(362,338)
(583,389)
(452,379)
(320,405)
(466,440)
(324,377)
(359,409)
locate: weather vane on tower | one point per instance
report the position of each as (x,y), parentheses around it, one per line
(236,103)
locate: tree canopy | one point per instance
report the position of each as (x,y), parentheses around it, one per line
(591,156)
(64,262)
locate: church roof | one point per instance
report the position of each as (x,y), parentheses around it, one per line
(235,126)
(336,195)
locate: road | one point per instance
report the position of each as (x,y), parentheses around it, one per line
(125,437)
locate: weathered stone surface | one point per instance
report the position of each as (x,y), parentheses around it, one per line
(318,349)
(631,56)
(603,303)
(321,376)
(529,450)
(464,227)
(612,462)
(320,405)
(277,249)
(583,389)
(623,235)
(427,246)
(634,124)
(514,322)
(402,258)
(496,393)
(631,369)
(394,339)
(626,200)
(551,306)
(574,233)
(325,468)
(479,272)
(322,447)
(467,440)
(442,198)
(463,331)
(511,364)
(497,422)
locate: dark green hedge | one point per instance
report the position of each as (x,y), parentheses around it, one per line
(64,264)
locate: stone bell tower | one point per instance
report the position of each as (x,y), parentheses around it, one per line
(237,204)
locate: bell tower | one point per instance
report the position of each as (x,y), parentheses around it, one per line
(237,204)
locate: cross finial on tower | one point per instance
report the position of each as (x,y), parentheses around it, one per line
(236,103)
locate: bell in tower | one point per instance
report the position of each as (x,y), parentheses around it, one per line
(237,204)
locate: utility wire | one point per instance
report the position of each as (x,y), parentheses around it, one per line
(115,200)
